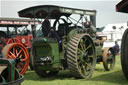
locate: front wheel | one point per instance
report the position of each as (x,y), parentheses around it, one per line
(108,59)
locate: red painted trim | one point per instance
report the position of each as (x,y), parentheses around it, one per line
(18,22)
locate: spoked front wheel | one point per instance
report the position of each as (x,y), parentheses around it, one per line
(108,59)
(19,53)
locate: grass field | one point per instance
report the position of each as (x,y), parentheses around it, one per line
(99,77)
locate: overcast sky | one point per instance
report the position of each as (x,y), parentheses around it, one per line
(106,13)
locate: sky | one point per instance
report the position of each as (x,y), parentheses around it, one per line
(106,11)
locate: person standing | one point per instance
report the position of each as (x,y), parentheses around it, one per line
(116,47)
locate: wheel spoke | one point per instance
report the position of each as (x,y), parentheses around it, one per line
(84,43)
(80,67)
(19,52)
(88,47)
(79,62)
(79,50)
(14,51)
(83,69)
(88,66)
(11,57)
(81,47)
(20,56)
(12,54)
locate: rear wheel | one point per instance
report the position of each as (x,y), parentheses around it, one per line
(81,56)
(19,53)
(124,53)
(108,59)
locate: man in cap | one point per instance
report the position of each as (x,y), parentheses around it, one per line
(46,29)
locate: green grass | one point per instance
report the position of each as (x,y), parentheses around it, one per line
(99,77)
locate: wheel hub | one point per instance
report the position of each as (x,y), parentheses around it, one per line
(17,59)
(85,56)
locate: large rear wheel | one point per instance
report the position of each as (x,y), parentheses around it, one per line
(124,53)
(19,53)
(81,56)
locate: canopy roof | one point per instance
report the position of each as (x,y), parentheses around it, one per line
(122,6)
(12,22)
(53,11)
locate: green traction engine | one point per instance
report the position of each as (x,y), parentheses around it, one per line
(8,74)
(79,46)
